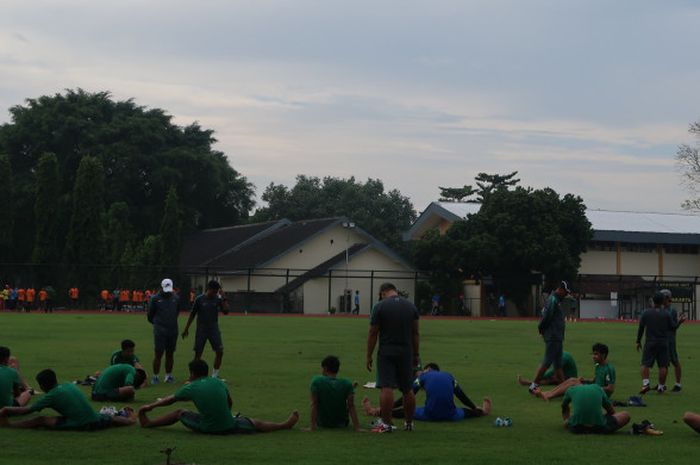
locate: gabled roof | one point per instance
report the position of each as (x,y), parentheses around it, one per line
(608,225)
(322,268)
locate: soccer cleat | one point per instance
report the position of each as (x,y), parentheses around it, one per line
(660,389)
(645,389)
(676,388)
(533,389)
(154,379)
(383,428)
(376,422)
(169,379)
(111,411)
(408,426)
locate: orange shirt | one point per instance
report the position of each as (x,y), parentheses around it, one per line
(124,296)
(43,295)
(31,293)
(73,292)
(104,294)
(20,295)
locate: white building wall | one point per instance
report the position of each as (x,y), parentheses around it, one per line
(598,262)
(639,263)
(681,264)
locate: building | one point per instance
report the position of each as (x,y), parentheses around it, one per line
(307,267)
(631,255)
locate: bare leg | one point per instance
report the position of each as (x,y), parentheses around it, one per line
(409,405)
(369,410)
(23,399)
(217,360)
(523,382)
(693,420)
(126,393)
(386,404)
(169,361)
(539,373)
(559,390)
(156,362)
(559,376)
(486,406)
(663,372)
(37,422)
(266,426)
(677,369)
(622,419)
(167,419)
(125,421)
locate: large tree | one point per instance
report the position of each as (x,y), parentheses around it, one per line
(384,214)
(6,199)
(85,242)
(171,231)
(486,184)
(688,160)
(142,153)
(46,244)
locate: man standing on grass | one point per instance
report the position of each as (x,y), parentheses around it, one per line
(72,405)
(332,398)
(657,323)
(213,402)
(551,327)
(588,402)
(676,322)
(394,322)
(162,314)
(206,308)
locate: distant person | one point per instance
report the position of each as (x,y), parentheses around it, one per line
(4,297)
(118,383)
(74,295)
(394,322)
(206,308)
(31,297)
(552,327)
(549,377)
(435,305)
(13,298)
(43,300)
(162,314)
(501,305)
(104,299)
(14,392)
(22,299)
(332,398)
(676,322)
(356,310)
(71,404)
(589,401)
(213,402)
(657,323)
(604,376)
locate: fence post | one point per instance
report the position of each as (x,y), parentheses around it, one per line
(371,291)
(330,281)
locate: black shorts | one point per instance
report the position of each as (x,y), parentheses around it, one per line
(610,427)
(672,351)
(395,371)
(213,335)
(104,421)
(553,354)
(112,394)
(655,351)
(164,340)
(193,421)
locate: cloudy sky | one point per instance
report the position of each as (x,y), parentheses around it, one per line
(589,97)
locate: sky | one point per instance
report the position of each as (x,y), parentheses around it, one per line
(587,97)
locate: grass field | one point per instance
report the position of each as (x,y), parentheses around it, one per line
(269,362)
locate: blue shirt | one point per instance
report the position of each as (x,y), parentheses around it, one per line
(439,391)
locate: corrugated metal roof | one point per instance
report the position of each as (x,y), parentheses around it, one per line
(461,209)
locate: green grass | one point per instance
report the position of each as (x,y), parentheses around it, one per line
(269,362)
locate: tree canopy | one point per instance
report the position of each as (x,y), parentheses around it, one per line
(688,160)
(486,184)
(383,214)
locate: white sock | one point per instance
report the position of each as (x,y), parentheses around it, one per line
(533,385)
(661,387)
(168,375)
(215,372)
(678,384)
(645,382)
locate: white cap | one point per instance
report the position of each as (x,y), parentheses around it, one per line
(167,285)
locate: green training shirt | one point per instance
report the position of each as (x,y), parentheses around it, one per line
(117,358)
(604,374)
(71,403)
(114,377)
(587,402)
(210,396)
(568,365)
(9,380)
(332,394)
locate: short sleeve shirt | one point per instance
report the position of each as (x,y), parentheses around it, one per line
(9,381)
(587,402)
(70,402)
(604,375)
(117,358)
(210,396)
(207,311)
(395,317)
(332,394)
(114,377)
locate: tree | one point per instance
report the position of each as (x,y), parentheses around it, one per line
(489,183)
(7,200)
(46,246)
(383,214)
(456,194)
(118,232)
(688,160)
(171,231)
(84,245)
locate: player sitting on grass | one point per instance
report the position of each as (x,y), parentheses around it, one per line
(693,420)
(332,398)
(72,405)
(118,383)
(126,355)
(604,376)
(14,392)
(549,377)
(440,389)
(657,323)
(213,402)
(588,401)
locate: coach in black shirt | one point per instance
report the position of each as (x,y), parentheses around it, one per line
(657,323)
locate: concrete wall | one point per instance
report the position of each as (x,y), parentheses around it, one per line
(639,263)
(598,262)
(681,265)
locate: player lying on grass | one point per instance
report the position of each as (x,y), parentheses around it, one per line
(14,391)
(213,402)
(550,377)
(440,390)
(589,401)
(604,376)
(693,420)
(118,383)
(72,405)
(657,324)
(332,398)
